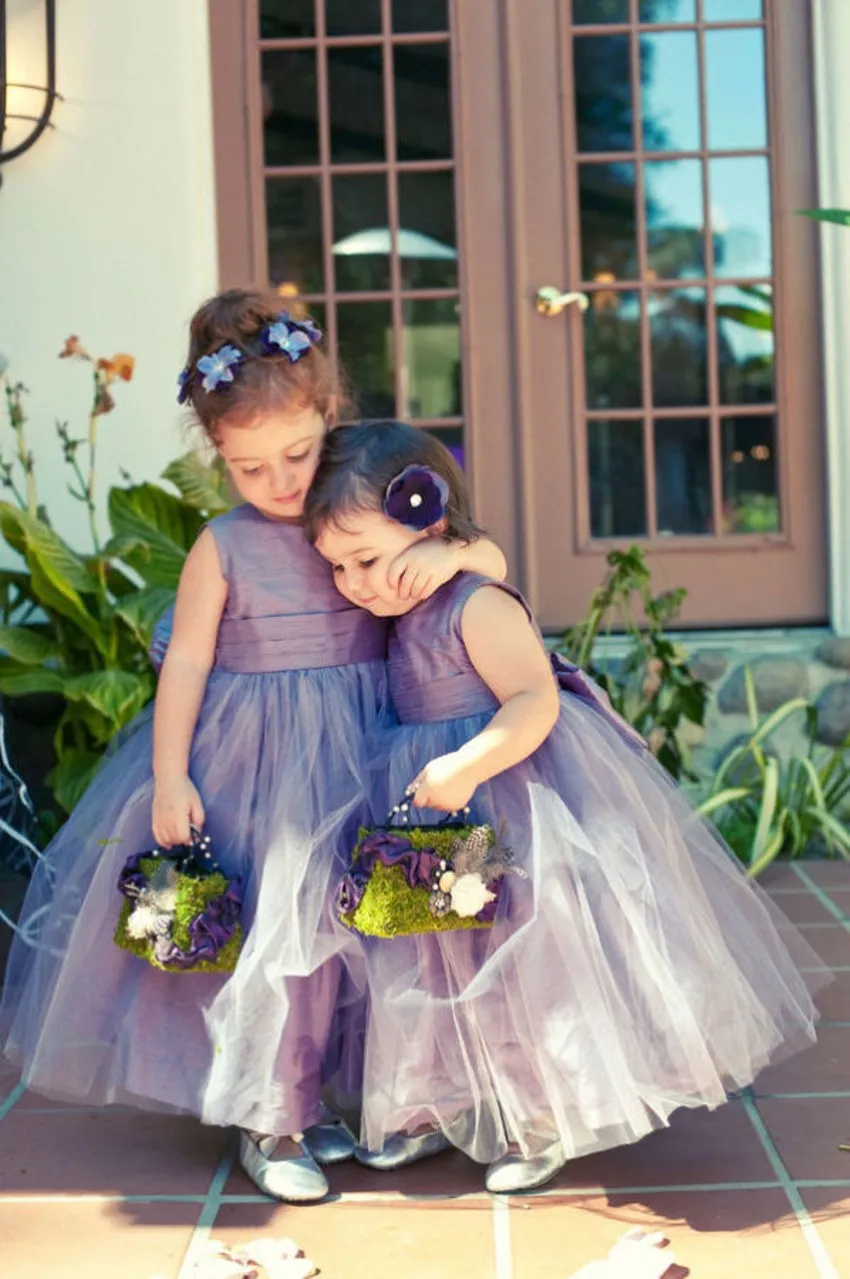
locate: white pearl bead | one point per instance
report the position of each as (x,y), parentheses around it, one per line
(416,499)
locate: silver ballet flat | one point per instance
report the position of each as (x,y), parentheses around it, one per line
(331,1142)
(294,1179)
(400,1150)
(512,1173)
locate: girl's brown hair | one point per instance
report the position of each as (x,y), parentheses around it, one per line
(359,463)
(263,384)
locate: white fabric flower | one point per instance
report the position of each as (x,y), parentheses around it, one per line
(470,895)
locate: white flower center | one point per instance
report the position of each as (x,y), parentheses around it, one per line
(416,499)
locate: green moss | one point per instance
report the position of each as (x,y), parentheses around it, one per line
(391,908)
(193,896)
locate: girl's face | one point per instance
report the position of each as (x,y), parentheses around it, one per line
(360,555)
(272,460)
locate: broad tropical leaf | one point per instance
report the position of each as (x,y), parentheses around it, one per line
(27,645)
(113,693)
(202,486)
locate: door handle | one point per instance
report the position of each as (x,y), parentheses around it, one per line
(550,302)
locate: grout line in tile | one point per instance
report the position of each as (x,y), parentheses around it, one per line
(365,1198)
(820,1254)
(15,1095)
(502,1248)
(206,1220)
(823,897)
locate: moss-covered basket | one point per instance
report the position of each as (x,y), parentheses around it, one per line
(390,908)
(193,897)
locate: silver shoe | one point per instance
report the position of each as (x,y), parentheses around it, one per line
(512,1173)
(296,1179)
(400,1150)
(331,1142)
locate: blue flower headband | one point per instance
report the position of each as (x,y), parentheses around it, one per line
(417,498)
(284,336)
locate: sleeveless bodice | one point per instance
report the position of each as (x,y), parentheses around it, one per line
(283,611)
(431,676)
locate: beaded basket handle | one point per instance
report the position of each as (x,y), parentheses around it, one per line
(401,812)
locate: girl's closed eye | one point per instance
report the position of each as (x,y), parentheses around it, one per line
(299,457)
(251,470)
(367,563)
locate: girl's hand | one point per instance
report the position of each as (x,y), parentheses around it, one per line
(176,806)
(446,783)
(422,568)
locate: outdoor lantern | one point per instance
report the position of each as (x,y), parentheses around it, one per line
(47,89)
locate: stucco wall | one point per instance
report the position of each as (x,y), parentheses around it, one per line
(107,227)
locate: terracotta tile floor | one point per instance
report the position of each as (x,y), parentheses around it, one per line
(758,1188)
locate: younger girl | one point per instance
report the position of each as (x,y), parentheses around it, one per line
(634,969)
(269,688)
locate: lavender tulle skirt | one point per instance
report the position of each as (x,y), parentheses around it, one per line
(634,971)
(277,760)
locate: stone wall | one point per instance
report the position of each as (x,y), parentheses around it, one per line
(813,664)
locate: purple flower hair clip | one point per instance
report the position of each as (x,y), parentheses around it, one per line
(417,498)
(218,368)
(290,337)
(183,380)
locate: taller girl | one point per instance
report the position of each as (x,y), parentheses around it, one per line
(270,683)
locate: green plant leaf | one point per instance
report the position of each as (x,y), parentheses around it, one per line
(201,485)
(748,316)
(777,717)
(113,693)
(68,604)
(752,700)
(836,830)
(767,810)
(72,775)
(65,569)
(28,646)
(30,679)
(771,850)
(143,610)
(722,799)
(840,216)
(163,525)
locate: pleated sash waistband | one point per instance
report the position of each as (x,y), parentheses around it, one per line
(305,641)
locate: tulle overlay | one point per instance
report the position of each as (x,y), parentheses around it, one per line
(635,970)
(278,760)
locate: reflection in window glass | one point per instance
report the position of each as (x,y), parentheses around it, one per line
(287,19)
(600,12)
(678,335)
(603,93)
(674,219)
(736,89)
(616,479)
(608,227)
(452,437)
(365,337)
(422,101)
(290,107)
(352,17)
(670,95)
(294,230)
(361,247)
(431,375)
(731,10)
(745,343)
(419,15)
(740,216)
(682,476)
(612,350)
(667,11)
(355,75)
(427,240)
(750,488)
